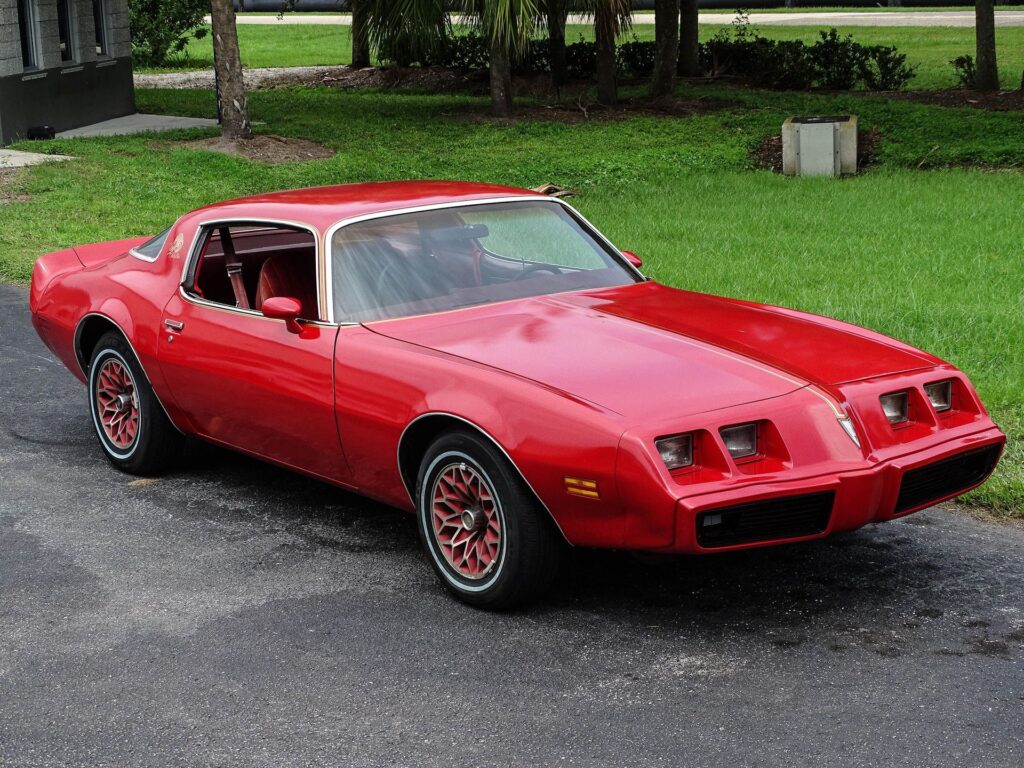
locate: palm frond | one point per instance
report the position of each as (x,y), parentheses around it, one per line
(509,22)
(416,27)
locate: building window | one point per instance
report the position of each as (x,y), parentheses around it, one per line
(67,40)
(99,19)
(27,28)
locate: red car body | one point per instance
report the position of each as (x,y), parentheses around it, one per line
(573,387)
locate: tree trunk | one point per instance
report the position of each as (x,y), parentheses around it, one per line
(556,41)
(986,76)
(607,88)
(666,47)
(228,64)
(501,79)
(689,44)
(360,35)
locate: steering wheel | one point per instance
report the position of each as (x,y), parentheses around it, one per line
(538,268)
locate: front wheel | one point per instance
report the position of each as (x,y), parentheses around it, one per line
(487,537)
(133,430)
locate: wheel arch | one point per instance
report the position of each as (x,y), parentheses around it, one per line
(425,428)
(89,331)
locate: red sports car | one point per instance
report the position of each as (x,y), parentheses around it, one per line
(483,357)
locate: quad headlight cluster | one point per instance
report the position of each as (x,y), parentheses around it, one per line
(677,450)
(940,393)
(741,440)
(896,405)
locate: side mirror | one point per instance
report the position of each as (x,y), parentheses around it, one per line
(633,259)
(284,308)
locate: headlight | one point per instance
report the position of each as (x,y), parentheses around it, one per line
(895,405)
(940,393)
(740,440)
(676,451)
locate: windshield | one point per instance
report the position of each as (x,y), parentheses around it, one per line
(436,260)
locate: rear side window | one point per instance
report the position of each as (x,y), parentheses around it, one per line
(151,248)
(242,265)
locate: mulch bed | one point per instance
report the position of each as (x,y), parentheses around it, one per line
(426,79)
(996,101)
(262,148)
(768,154)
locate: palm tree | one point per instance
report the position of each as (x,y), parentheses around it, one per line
(986,77)
(666,47)
(557,11)
(689,45)
(507,25)
(611,18)
(227,61)
(408,30)
(360,35)
(404,31)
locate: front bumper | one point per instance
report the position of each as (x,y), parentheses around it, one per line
(865,495)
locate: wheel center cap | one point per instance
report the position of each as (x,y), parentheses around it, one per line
(472,519)
(123,401)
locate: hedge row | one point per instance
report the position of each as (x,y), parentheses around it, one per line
(832,62)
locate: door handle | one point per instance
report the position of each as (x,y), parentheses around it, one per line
(173,325)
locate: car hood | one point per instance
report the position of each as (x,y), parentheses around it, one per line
(648,351)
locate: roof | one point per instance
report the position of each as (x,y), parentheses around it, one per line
(323,206)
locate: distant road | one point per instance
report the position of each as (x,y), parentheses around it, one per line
(810,19)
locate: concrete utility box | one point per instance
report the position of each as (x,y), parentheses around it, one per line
(819,146)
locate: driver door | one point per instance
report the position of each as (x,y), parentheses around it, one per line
(245,380)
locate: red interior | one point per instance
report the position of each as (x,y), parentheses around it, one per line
(275,262)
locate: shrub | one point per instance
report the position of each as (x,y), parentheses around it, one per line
(885,69)
(636,56)
(964,66)
(163,27)
(581,59)
(833,62)
(463,53)
(837,59)
(777,64)
(535,59)
(471,52)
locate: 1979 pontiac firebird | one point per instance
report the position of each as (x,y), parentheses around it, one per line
(485,358)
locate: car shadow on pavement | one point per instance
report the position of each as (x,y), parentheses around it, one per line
(780,586)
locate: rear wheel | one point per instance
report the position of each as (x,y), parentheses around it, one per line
(486,536)
(133,430)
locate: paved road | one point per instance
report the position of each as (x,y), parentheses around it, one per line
(812,19)
(234,614)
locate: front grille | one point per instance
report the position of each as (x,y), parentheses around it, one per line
(944,478)
(784,518)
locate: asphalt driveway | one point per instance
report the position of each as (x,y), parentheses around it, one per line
(235,614)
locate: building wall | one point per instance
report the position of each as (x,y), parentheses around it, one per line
(64,94)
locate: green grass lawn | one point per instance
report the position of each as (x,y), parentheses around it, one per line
(264,46)
(929,48)
(929,256)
